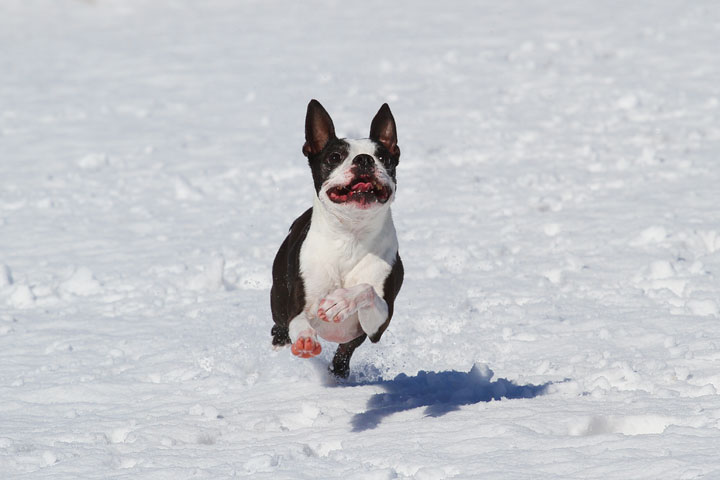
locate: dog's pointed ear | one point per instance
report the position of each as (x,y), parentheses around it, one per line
(383,130)
(319,128)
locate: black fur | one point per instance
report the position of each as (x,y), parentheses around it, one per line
(323,163)
(390,290)
(287,296)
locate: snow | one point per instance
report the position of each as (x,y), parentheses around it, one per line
(557,214)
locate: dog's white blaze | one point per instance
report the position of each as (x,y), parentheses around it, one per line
(343,174)
(346,247)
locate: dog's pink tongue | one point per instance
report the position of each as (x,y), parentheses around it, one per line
(362,187)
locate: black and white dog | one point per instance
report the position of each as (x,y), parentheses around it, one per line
(338,272)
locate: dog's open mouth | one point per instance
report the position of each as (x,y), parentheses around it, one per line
(361,190)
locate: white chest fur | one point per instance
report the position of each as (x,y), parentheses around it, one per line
(342,253)
(334,255)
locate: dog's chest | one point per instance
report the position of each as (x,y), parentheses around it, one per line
(330,260)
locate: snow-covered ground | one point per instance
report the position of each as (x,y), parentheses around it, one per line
(558,214)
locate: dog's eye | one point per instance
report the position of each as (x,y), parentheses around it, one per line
(335,157)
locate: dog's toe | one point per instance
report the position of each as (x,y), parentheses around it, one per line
(336,307)
(306,347)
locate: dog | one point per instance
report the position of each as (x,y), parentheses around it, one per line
(338,272)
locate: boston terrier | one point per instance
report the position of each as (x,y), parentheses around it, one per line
(338,272)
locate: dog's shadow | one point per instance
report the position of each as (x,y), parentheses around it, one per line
(439,392)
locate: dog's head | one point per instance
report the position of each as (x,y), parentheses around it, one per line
(352,174)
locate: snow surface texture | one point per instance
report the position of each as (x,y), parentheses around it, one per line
(558,214)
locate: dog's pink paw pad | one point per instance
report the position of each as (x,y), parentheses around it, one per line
(306,347)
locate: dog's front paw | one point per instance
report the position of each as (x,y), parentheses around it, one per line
(337,306)
(306,347)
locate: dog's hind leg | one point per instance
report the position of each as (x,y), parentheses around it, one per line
(341,361)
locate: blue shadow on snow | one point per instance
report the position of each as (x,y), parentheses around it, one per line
(440,392)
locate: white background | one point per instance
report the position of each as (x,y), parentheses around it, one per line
(558,216)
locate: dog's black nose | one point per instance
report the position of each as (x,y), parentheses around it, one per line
(364,162)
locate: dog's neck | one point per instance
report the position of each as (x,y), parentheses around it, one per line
(342,221)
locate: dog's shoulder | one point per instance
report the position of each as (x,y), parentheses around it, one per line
(300,225)
(293,242)
(287,293)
